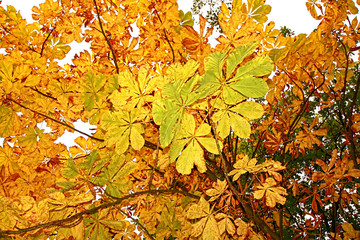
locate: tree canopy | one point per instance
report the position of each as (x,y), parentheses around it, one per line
(255,138)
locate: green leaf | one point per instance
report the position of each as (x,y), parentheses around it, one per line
(169,127)
(70,170)
(100,163)
(117,225)
(259,66)
(118,188)
(186,19)
(208,84)
(249,109)
(178,95)
(230,96)
(159,111)
(112,84)
(238,55)
(66,186)
(187,92)
(251,87)
(89,161)
(91,86)
(214,63)
(117,161)
(176,148)
(126,170)
(30,139)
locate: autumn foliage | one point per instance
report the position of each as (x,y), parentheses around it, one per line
(256,138)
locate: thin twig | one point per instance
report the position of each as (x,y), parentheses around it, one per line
(43,45)
(106,38)
(57,121)
(166,37)
(147,143)
(43,94)
(137,223)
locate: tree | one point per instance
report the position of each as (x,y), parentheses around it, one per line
(256,138)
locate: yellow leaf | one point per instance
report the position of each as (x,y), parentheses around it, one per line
(199,210)
(211,230)
(225,223)
(240,126)
(350,232)
(243,228)
(207,225)
(272,194)
(218,188)
(243,165)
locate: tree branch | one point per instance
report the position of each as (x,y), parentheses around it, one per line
(166,37)
(43,45)
(246,207)
(147,143)
(43,94)
(4,233)
(57,121)
(137,223)
(106,38)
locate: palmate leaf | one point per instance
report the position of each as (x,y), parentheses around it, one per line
(227,118)
(207,225)
(225,223)
(115,174)
(121,128)
(178,95)
(186,19)
(218,189)
(258,10)
(90,88)
(239,82)
(193,154)
(272,194)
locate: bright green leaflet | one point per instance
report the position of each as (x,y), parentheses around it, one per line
(91,89)
(178,95)
(239,82)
